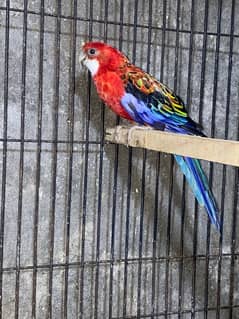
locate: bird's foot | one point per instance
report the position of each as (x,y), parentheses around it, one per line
(136,127)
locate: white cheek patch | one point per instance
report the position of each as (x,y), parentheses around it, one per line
(92,65)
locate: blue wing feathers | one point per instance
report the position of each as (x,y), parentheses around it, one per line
(148,109)
(154,109)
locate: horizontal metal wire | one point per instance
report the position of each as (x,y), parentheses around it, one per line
(125,24)
(49,141)
(171,313)
(94,263)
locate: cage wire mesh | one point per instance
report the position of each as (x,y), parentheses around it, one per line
(90,230)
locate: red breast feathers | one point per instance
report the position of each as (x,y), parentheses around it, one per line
(106,65)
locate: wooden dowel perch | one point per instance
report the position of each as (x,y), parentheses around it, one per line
(210,149)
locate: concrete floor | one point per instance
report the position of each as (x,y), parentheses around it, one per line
(62,268)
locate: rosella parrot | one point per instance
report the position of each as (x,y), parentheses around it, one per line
(138,97)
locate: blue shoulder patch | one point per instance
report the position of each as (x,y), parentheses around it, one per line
(140,112)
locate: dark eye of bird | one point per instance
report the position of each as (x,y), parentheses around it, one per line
(92,51)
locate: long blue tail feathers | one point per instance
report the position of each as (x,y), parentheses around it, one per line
(196,178)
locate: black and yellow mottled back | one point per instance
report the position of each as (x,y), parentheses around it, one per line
(161,100)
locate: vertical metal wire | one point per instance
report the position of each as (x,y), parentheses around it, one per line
(85,178)
(142,202)
(175,84)
(223,191)
(98,228)
(203,62)
(233,240)
(54,157)
(129,183)
(155,228)
(214,101)
(140,240)
(38,160)
(127,220)
(184,183)
(121,27)
(188,101)
(163,40)
(154,243)
(143,175)
(201,99)
(171,178)
(127,217)
(216,65)
(116,159)
(144,159)
(236,181)
(4,158)
(21,162)
(71,119)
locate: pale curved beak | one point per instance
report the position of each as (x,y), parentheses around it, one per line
(82,59)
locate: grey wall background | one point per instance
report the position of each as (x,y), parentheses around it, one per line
(57,249)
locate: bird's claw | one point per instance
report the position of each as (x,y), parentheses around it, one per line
(136,127)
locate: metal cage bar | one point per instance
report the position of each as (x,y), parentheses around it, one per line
(131,265)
